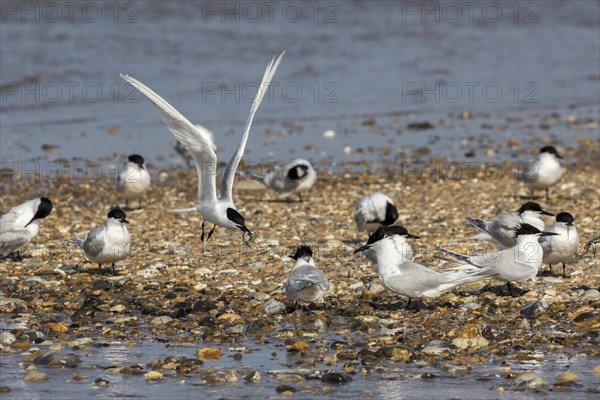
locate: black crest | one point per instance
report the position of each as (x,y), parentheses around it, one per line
(118,214)
(136,159)
(237,219)
(549,149)
(44,208)
(297,172)
(533,206)
(302,251)
(526,229)
(565,217)
(530,206)
(387,231)
(391,214)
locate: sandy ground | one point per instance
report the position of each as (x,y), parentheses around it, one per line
(216,292)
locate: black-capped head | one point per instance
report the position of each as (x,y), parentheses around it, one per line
(565,218)
(136,159)
(297,172)
(550,150)
(384,232)
(391,214)
(118,214)
(43,209)
(526,229)
(302,251)
(533,206)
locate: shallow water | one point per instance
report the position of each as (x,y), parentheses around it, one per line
(365,71)
(389,380)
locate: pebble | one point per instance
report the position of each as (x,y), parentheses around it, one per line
(591,294)
(534,309)
(58,360)
(257,265)
(376,287)
(253,377)
(153,376)
(566,377)
(36,376)
(162,320)
(530,380)
(273,307)
(7,338)
(81,343)
(335,377)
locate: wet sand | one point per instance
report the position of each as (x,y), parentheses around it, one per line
(175,296)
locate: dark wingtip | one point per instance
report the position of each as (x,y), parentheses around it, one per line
(526,229)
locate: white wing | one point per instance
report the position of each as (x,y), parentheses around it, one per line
(208,135)
(189,136)
(18,216)
(228,178)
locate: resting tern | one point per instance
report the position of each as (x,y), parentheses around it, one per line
(134,181)
(374,210)
(501,230)
(21,224)
(561,248)
(518,263)
(543,172)
(109,243)
(295,177)
(218,210)
(306,283)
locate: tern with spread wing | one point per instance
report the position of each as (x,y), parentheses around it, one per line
(217,209)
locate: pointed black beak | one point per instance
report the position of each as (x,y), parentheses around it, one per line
(32,219)
(547,213)
(361,249)
(549,234)
(570,224)
(413,236)
(124,221)
(559,156)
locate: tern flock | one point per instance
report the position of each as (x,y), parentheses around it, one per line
(522,241)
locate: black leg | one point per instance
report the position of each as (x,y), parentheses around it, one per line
(408,304)
(509,288)
(547,194)
(211,232)
(113,269)
(202,236)
(100,268)
(564,270)
(126,204)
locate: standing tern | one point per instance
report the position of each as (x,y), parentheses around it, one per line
(306,283)
(518,263)
(134,181)
(295,177)
(217,210)
(20,225)
(501,230)
(542,173)
(400,275)
(109,243)
(374,210)
(562,247)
